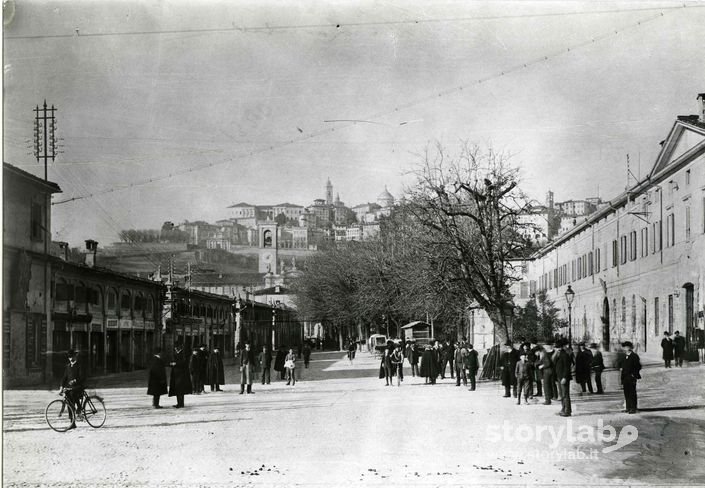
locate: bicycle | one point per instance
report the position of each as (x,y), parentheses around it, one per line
(60,413)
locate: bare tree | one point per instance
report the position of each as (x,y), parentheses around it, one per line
(472,202)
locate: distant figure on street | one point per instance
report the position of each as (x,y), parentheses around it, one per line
(216,371)
(437,357)
(290,366)
(351,351)
(194,369)
(73,383)
(472,365)
(279,362)
(534,357)
(508,363)
(307,354)
(247,369)
(156,385)
(386,367)
(413,357)
(203,353)
(265,362)
(667,346)
(447,356)
(563,373)
(678,348)
(524,373)
(461,367)
(397,359)
(180,381)
(549,375)
(598,366)
(429,365)
(630,374)
(583,367)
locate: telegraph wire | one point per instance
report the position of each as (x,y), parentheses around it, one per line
(337,26)
(434,96)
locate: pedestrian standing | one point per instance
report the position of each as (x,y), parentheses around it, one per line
(563,373)
(471,365)
(630,374)
(279,362)
(548,372)
(461,353)
(203,376)
(412,356)
(524,374)
(307,354)
(216,371)
(156,386)
(446,358)
(678,348)
(351,351)
(535,358)
(290,367)
(508,363)
(437,358)
(180,381)
(598,366)
(583,366)
(429,366)
(265,362)
(667,346)
(194,369)
(247,366)
(386,367)
(397,359)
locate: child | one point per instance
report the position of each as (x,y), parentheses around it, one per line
(524,374)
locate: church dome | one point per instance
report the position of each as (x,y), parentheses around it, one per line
(385,199)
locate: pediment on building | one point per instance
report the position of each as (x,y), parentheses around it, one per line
(685,141)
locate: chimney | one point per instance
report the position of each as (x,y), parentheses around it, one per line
(92,248)
(701,107)
(64,246)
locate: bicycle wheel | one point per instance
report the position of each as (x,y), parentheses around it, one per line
(94,411)
(59,415)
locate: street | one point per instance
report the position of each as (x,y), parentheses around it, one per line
(341,426)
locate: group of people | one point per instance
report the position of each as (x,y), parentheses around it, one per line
(190,374)
(673,348)
(435,360)
(549,369)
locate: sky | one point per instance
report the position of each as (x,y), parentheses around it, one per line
(221,102)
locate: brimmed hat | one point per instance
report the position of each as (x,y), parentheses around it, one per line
(593,345)
(508,343)
(627,344)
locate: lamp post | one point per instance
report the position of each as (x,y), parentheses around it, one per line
(569,295)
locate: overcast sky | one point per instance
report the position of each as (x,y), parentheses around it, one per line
(145,89)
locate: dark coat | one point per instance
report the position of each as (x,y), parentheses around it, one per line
(194,364)
(156,384)
(180,381)
(429,364)
(583,364)
(247,358)
(447,352)
(678,345)
(279,361)
(667,346)
(386,368)
(74,376)
(598,365)
(524,370)
(508,362)
(411,355)
(563,363)
(265,359)
(471,361)
(216,372)
(631,368)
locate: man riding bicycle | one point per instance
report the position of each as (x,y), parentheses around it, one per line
(72,383)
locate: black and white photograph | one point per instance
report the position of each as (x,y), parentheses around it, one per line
(347,243)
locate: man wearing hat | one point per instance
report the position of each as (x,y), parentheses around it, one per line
(678,348)
(73,383)
(563,373)
(535,358)
(545,368)
(472,364)
(630,374)
(508,363)
(598,366)
(583,365)
(667,346)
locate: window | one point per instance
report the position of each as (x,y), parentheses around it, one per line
(656,316)
(633,314)
(687,222)
(597,260)
(670,313)
(555,278)
(644,242)
(112,299)
(632,245)
(657,237)
(64,292)
(624,313)
(125,302)
(623,250)
(670,230)
(580,268)
(591,264)
(524,290)
(573,274)
(703,213)
(615,253)
(36,233)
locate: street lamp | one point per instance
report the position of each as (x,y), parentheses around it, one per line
(569,296)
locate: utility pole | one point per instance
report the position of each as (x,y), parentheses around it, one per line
(45,135)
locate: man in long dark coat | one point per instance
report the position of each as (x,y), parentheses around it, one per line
(549,375)
(563,365)
(472,365)
(508,364)
(156,385)
(598,366)
(194,369)
(307,354)
(279,362)
(180,381)
(247,369)
(630,374)
(583,366)
(413,357)
(429,365)
(204,354)
(265,362)
(447,352)
(667,346)
(216,372)
(678,348)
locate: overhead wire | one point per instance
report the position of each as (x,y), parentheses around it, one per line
(434,96)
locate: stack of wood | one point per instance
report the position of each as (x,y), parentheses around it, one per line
(490,370)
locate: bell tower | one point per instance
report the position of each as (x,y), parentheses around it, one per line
(268,243)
